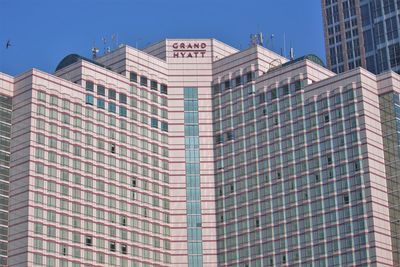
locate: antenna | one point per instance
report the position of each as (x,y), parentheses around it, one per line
(272,42)
(114,38)
(253,40)
(94,50)
(291,53)
(104,44)
(256,39)
(284,44)
(261,39)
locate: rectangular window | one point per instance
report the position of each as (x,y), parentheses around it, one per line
(379,32)
(112,246)
(154,123)
(164,126)
(122,98)
(249,76)
(227,84)
(101,103)
(133,76)
(112,107)
(112,94)
(238,80)
(124,249)
(154,85)
(391,28)
(89,99)
(89,86)
(122,111)
(394,55)
(88,241)
(164,89)
(143,80)
(101,90)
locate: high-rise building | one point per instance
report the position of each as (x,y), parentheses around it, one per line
(6,85)
(192,153)
(362,33)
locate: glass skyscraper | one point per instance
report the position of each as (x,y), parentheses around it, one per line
(193,153)
(362,33)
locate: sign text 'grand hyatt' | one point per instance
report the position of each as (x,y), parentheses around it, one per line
(189,50)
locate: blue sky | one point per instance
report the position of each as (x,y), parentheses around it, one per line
(42,32)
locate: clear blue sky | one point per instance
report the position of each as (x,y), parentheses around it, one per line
(42,32)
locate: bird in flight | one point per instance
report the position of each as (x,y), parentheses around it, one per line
(8,44)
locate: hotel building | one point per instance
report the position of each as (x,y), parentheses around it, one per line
(192,153)
(362,33)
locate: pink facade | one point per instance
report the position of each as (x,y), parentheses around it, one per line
(99,160)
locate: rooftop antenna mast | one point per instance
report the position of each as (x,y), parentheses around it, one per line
(114,38)
(107,49)
(291,53)
(256,39)
(272,42)
(95,50)
(260,38)
(284,44)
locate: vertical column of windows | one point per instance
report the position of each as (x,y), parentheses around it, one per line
(390,118)
(5,132)
(193,205)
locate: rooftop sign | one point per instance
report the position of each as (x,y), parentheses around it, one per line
(189,50)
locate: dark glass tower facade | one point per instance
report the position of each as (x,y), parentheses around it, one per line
(362,33)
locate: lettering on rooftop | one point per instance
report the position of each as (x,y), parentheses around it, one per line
(189,50)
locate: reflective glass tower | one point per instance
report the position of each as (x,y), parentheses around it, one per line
(362,33)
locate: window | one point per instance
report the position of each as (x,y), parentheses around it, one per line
(379,32)
(381,59)
(391,28)
(112,148)
(89,99)
(38,259)
(101,104)
(227,84)
(154,85)
(133,76)
(89,86)
(143,80)
(112,107)
(88,241)
(112,94)
(154,123)
(123,220)
(164,126)
(101,90)
(346,199)
(394,55)
(64,250)
(249,76)
(229,135)
(238,80)
(112,246)
(326,117)
(122,111)
(124,249)
(122,98)
(164,89)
